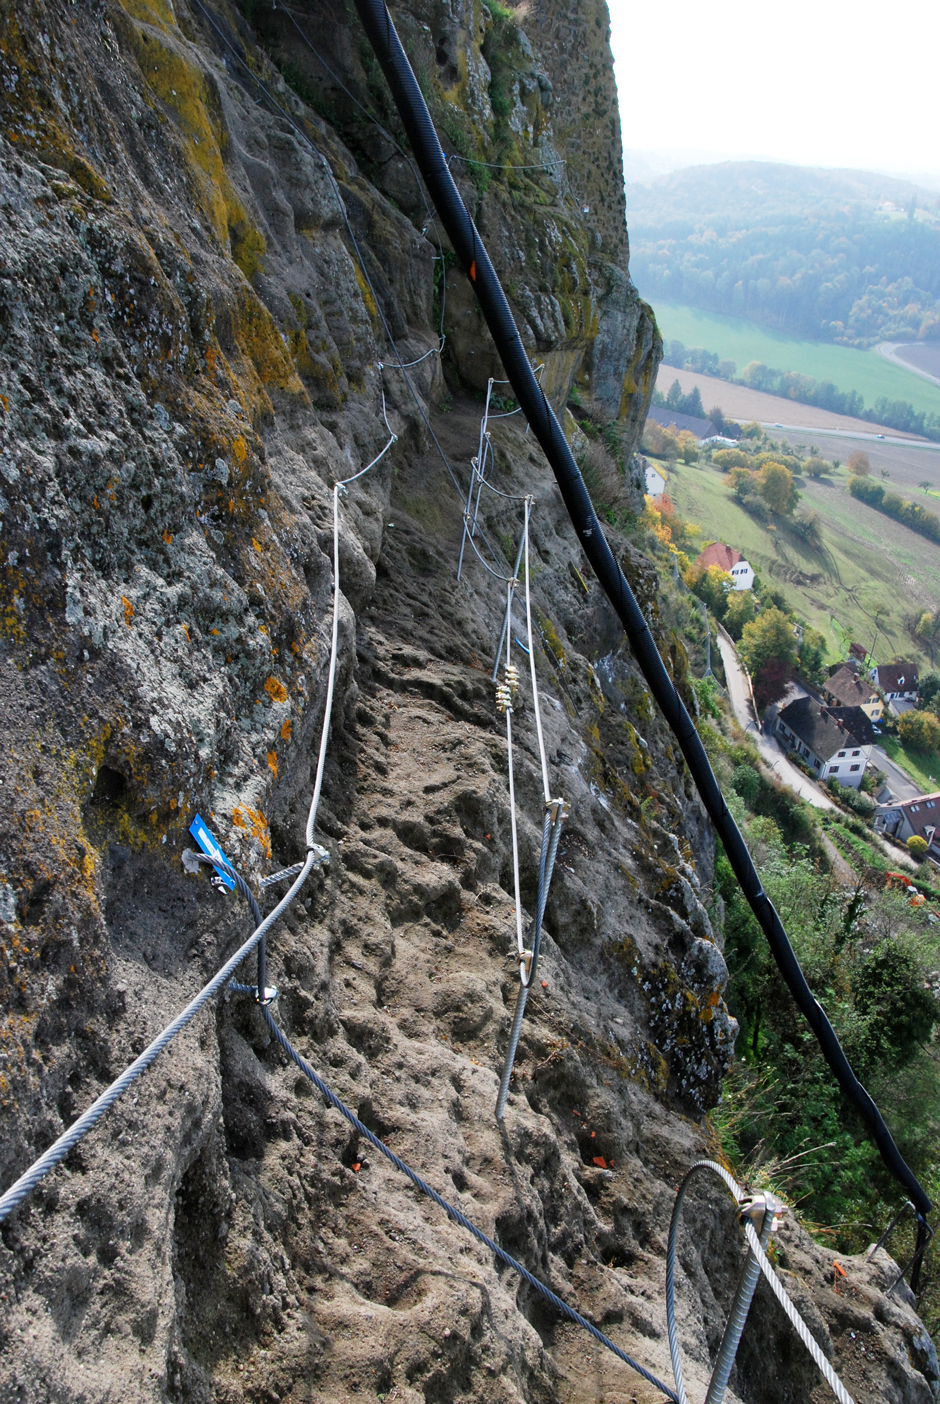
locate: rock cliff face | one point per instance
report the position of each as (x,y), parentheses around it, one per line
(195,284)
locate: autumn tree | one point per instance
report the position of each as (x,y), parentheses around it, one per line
(859,464)
(920,731)
(776,487)
(769,636)
(742,608)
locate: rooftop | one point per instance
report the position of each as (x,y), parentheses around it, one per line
(897,677)
(818,728)
(720,555)
(847,689)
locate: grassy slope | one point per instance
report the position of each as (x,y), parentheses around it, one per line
(736,340)
(867,560)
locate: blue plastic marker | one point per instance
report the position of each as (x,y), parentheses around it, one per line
(206,841)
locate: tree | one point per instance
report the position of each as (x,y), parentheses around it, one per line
(741,609)
(775,484)
(770,683)
(769,636)
(925,484)
(885,475)
(859,464)
(920,730)
(813,655)
(726,459)
(743,484)
(675,397)
(712,585)
(928,688)
(688,446)
(814,467)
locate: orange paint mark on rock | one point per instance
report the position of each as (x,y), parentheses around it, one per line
(167,537)
(599,1161)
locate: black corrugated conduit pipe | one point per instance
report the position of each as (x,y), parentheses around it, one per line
(472,254)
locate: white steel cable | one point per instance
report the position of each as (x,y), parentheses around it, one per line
(90,1117)
(517,887)
(776,1285)
(546,791)
(795,1319)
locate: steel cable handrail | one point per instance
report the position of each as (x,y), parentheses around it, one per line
(93,1114)
(763,1262)
(471,251)
(455,1214)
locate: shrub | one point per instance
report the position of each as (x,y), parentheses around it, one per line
(726,459)
(917,847)
(745,781)
(920,730)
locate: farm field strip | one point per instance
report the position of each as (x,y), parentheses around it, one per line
(740,341)
(867,561)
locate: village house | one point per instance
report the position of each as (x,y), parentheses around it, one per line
(820,738)
(903,819)
(898,682)
(728,559)
(844,689)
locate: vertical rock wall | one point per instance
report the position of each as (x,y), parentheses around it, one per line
(191,353)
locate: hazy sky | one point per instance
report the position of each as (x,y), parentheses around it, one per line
(814,82)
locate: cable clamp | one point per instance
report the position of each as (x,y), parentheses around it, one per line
(525,964)
(503,698)
(268,996)
(558,809)
(758,1205)
(320,853)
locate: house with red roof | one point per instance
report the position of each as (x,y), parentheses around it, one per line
(726,558)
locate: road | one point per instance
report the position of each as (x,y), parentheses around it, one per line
(888,349)
(900,784)
(769,747)
(864,435)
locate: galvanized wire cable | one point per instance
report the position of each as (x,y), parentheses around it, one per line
(543,759)
(455,1214)
(754,1244)
(795,1319)
(89,1118)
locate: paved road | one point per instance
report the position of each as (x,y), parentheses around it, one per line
(768,746)
(855,434)
(900,784)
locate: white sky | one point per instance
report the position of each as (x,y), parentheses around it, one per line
(812,82)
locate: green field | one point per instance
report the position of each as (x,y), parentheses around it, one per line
(739,341)
(925,770)
(867,563)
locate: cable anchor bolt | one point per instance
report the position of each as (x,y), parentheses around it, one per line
(558,809)
(525,964)
(266,996)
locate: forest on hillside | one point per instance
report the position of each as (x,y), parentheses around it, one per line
(841,256)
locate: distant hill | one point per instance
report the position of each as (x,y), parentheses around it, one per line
(847,256)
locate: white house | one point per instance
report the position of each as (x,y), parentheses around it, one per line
(898,682)
(726,558)
(823,741)
(903,819)
(655,482)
